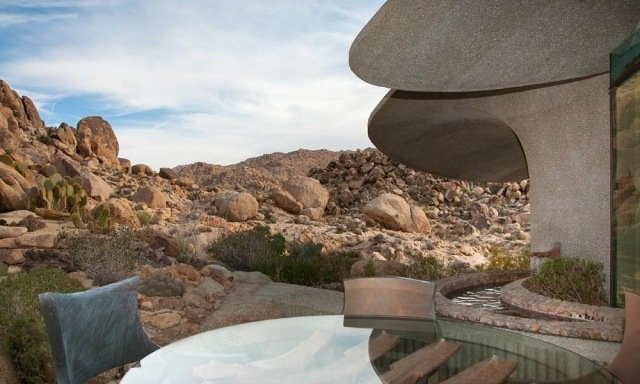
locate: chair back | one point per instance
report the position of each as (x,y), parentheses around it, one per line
(389,297)
(94,330)
(625,365)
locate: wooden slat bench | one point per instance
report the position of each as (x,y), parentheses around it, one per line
(420,363)
(490,371)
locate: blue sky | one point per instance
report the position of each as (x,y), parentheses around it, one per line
(184,81)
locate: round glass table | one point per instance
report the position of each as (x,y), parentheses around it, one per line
(335,349)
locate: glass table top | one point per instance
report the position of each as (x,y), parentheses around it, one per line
(332,349)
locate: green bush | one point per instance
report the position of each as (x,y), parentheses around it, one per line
(302,264)
(107,257)
(144,218)
(161,284)
(426,268)
(245,249)
(501,261)
(22,331)
(570,279)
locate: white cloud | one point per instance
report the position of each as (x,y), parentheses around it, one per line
(237,79)
(12,19)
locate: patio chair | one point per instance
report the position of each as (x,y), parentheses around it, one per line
(389,297)
(94,330)
(625,365)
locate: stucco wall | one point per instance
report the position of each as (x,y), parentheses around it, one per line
(564,131)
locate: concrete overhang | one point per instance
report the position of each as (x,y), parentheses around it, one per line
(485,136)
(474,45)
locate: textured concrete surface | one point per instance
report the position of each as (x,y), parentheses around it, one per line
(591,330)
(447,46)
(563,130)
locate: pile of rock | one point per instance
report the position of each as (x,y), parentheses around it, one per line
(461,207)
(176,299)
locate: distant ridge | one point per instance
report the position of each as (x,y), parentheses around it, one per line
(261,172)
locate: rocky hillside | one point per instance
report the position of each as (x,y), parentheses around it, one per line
(260,173)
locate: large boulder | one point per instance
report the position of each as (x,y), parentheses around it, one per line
(284,200)
(151,196)
(33,117)
(19,116)
(302,195)
(96,139)
(237,206)
(14,189)
(142,169)
(393,212)
(308,191)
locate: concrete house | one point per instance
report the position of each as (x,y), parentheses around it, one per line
(513,89)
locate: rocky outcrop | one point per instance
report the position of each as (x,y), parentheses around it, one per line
(19,118)
(96,139)
(64,138)
(13,189)
(393,212)
(237,206)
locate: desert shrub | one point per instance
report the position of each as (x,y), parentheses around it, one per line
(244,250)
(31,223)
(22,331)
(426,268)
(144,218)
(107,257)
(47,258)
(161,284)
(504,261)
(306,264)
(570,279)
(302,264)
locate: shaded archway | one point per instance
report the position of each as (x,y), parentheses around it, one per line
(447,139)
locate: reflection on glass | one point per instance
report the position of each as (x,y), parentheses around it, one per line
(626,193)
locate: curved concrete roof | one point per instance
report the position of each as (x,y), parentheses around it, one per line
(445,139)
(448,46)
(484,136)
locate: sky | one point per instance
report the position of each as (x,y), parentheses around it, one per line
(216,81)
